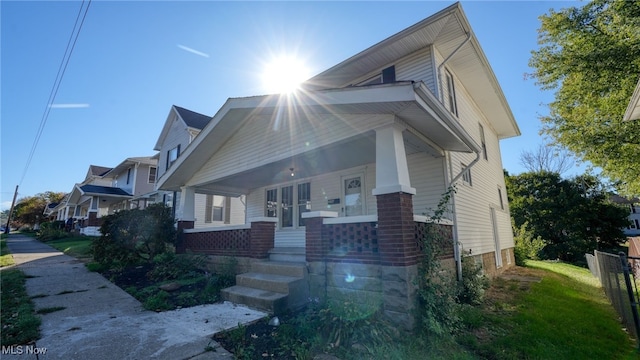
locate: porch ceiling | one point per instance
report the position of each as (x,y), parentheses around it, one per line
(359,150)
(409,102)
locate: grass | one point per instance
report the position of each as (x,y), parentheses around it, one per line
(565,316)
(77,246)
(19,322)
(5,257)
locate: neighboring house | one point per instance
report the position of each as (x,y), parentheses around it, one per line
(180,129)
(633,205)
(65,210)
(633,110)
(107,190)
(342,175)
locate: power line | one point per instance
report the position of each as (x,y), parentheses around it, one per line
(71,43)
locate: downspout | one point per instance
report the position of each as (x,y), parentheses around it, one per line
(456,244)
(466,40)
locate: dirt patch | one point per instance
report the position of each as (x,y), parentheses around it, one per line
(195,288)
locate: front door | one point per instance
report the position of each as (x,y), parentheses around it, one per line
(288,203)
(353,191)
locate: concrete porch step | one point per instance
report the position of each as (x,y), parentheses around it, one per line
(269,282)
(285,268)
(273,286)
(290,254)
(270,301)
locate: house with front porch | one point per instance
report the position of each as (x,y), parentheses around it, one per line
(342,176)
(107,190)
(180,128)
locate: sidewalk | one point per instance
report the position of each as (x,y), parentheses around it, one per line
(101,321)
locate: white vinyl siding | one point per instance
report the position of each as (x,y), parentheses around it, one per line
(472,204)
(178,135)
(417,66)
(263,140)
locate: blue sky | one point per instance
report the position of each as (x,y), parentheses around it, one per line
(133,60)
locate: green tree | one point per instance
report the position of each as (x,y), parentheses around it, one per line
(29,210)
(571,216)
(590,56)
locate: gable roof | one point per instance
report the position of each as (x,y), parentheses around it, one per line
(191,120)
(449,32)
(132,161)
(95,170)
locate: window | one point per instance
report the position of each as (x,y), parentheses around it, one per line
(500,197)
(451,93)
(466,175)
(153,171)
(288,203)
(172,155)
(304,201)
(387,75)
(483,142)
(637,223)
(128,175)
(272,203)
(214,208)
(353,196)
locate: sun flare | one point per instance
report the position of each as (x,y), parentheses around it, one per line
(284,74)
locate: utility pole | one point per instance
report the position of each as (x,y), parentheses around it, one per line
(13,203)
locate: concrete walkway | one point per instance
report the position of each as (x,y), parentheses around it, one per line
(101,321)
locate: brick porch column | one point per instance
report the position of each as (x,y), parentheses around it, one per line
(316,247)
(394,196)
(182,225)
(262,237)
(396,229)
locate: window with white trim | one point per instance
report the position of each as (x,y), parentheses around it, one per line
(451,93)
(153,171)
(172,155)
(214,208)
(483,143)
(466,175)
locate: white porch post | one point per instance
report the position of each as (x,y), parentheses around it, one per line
(186,212)
(392,172)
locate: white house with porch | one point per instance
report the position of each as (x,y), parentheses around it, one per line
(342,175)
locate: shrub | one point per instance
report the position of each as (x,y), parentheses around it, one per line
(526,245)
(437,288)
(130,236)
(474,283)
(170,266)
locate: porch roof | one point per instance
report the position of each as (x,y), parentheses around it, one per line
(410,102)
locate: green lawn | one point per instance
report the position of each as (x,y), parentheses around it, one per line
(78,246)
(565,316)
(5,257)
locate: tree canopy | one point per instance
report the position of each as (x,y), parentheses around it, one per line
(29,210)
(590,56)
(571,216)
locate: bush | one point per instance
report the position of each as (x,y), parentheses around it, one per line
(437,288)
(169,266)
(52,231)
(526,245)
(474,283)
(131,236)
